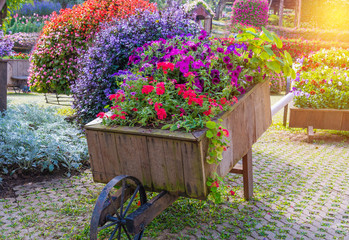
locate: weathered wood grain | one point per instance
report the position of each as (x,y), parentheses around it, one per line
(176,161)
(97,165)
(166,165)
(333,119)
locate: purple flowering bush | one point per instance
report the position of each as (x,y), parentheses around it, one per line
(6,45)
(23,39)
(110,52)
(250,12)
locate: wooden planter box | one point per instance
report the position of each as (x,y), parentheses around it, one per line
(332,119)
(176,161)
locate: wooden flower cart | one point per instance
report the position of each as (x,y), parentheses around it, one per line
(172,163)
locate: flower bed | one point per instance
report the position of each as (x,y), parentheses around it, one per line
(322,84)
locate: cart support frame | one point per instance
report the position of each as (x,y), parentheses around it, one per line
(247,172)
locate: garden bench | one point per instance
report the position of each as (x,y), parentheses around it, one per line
(19,83)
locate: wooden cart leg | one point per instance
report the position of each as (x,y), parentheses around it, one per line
(310,133)
(247,174)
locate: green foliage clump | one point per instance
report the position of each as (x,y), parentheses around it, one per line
(34,138)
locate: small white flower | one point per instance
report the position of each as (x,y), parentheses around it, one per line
(339,83)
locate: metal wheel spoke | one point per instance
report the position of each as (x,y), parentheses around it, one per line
(114,231)
(122,197)
(119,234)
(128,235)
(107,225)
(131,200)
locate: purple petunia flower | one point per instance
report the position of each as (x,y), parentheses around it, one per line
(220,50)
(235,73)
(197,64)
(238,69)
(230,66)
(226,59)
(241,90)
(215,73)
(249,78)
(215,80)
(234,80)
(194,48)
(199,84)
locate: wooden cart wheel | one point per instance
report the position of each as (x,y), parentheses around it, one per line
(112,208)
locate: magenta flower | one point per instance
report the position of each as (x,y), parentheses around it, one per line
(238,69)
(226,59)
(220,50)
(249,78)
(197,64)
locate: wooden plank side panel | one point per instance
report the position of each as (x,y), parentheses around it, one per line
(95,155)
(133,156)
(319,118)
(23,68)
(345,121)
(266,112)
(165,165)
(193,168)
(109,155)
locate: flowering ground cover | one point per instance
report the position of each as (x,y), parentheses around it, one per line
(324,80)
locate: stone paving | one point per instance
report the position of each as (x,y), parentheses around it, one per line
(301,191)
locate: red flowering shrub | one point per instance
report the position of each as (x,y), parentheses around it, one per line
(64,38)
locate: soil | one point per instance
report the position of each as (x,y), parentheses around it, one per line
(9,182)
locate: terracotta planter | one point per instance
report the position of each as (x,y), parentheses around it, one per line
(176,161)
(332,119)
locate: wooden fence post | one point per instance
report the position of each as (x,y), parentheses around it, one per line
(3,86)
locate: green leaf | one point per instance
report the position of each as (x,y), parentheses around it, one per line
(288,57)
(277,41)
(209,134)
(253,34)
(250,30)
(293,74)
(267,33)
(173,128)
(286,70)
(275,66)
(166,126)
(210,125)
(268,50)
(106,106)
(264,56)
